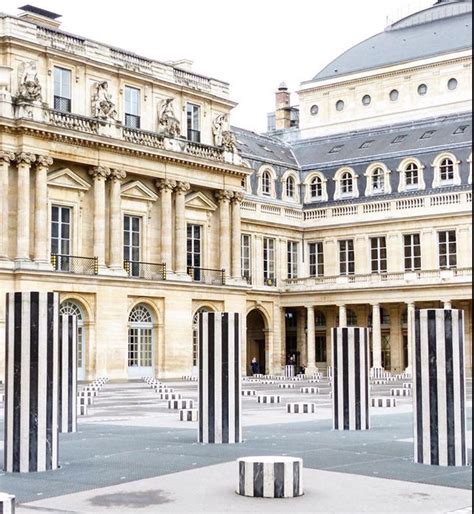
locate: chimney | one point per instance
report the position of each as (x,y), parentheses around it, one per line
(40,16)
(283,108)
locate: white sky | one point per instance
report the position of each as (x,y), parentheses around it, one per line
(253,44)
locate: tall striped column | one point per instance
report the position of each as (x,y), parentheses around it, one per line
(350,347)
(439,388)
(220,403)
(67,374)
(31,398)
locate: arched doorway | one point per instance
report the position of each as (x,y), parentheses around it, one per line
(196,337)
(71,308)
(140,342)
(256,340)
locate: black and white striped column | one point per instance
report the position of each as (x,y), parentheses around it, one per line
(7,504)
(32,382)
(350,378)
(440,388)
(220,402)
(67,374)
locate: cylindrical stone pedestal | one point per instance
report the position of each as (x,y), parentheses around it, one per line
(67,374)
(32,382)
(290,371)
(439,388)
(220,397)
(350,378)
(270,477)
(7,504)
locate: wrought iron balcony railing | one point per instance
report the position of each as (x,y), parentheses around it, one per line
(75,265)
(145,270)
(212,277)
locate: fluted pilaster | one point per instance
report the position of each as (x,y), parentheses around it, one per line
(100,174)
(43,163)
(24,162)
(116,229)
(182,188)
(236,235)
(6,158)
(224,198)
(166,188)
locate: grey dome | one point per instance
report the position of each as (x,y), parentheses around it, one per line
(444,28)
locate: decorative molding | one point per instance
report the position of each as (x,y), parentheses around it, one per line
(223,196)
(117,175)
(166,185)
(100,173)
(183,188)
(6,157)
(25,158)
(138,191)
(43,161)
(201,202)
(67,179)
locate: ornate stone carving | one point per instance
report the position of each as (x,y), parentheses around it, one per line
(6,157)
(168,123)
(238,197)
(103,106)
(43,161)
(99,173)
(25,158)
(117,175)
(166,184)
(218,129)
(183,187)
(29,89)
(229,141)
(224,196)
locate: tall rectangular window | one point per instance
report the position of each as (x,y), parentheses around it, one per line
(132,243)
(268,260)
(246,258)
(316,259)
(193,116)
(194,251)
(321,348)
(412,252)
(448,249)
(379,254)
(61,224)
(292,252)
(347,257)
(132,107)
(62,89)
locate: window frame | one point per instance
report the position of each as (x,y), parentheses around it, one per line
(379,255)
(341,179)
(316,259)
(269,259)
(451,257)
(292,252)
(246,257)
(411,260)
(347,259)
(132,120)
(408,166)
(59,99)
(193,120)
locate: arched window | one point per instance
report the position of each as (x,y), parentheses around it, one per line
(290,187)
(267,183)
(378,181)
(347,183)
(140,341)
(196,334)
(446,170)
(317,188)
(69,308)
(412,176)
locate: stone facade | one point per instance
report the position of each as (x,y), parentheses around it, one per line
(142,215)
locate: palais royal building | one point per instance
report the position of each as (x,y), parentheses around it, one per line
(124,186)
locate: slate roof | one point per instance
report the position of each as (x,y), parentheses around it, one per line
(444,28)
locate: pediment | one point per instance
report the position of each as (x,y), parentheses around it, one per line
(200,201)
(138,191)
(67,179)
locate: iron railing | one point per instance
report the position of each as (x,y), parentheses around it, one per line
(75,265)
(145,270)
(212,277)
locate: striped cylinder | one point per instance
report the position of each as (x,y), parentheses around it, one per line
(248,393)
(310,390)
(384,403)
(180,404)
(67,374)
(189,415)
(401,393)
(7,504)
(32,382)
(290,371)
(301,408)
(408,386)
(286,386)
(268,399)
(220,397)
(81,410)
(171,396)
(378,373)
(439,388)
(270,477)
(350,378)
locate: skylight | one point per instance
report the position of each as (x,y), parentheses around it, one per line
(399,139)
(337,149)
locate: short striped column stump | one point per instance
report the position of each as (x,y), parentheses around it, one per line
(269,399)
(267,382)
(180,404)
(407,386)
(379,382)
(301,408)
(384,403)
(164,390)
(440,388)
(270,477)
(7,504)
(249,393)
(401,393)
(286,386)
(189,415)
(170,396)
(81,409)
(290,371)
(88,398)
(309,390)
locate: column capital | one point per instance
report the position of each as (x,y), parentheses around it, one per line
(166,185)
(44,161)
(25,158)
(238,198)
(6,157)
(223,196)
(182,187)
(117,175)
(411,305)
(309,307)
(99,173)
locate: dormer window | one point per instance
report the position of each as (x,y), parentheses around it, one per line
(347,184)
(316,188)
(446,170)
(412,176)
(267,183)
(378,180)
(290,188)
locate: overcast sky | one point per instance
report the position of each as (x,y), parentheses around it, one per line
(253,44)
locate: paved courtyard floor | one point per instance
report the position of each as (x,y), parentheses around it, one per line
(131,454)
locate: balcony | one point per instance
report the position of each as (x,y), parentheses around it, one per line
(383,280)
(210,277)
(145,270)
(75,265)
